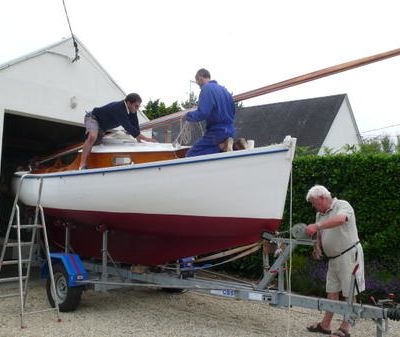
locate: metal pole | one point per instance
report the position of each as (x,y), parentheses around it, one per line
(67,239)
(104,251)
(47,248)
(21,292)
(46,242)
(34,231)
(190,90)
(266,265)
(277,268)
(379,327)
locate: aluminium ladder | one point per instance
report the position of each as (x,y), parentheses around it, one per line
(23,278)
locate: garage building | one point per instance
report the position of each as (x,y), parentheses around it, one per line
(43,99)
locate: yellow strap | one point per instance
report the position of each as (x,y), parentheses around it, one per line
(228,252)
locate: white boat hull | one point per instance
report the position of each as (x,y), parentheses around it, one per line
(175,198)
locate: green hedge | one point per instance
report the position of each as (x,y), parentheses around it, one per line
(372,186)
(371,183)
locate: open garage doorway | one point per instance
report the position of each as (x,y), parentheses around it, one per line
(25,138)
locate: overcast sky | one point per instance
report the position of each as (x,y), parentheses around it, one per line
(154,47)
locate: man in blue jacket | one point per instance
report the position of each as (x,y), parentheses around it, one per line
(121,113)
(217,108)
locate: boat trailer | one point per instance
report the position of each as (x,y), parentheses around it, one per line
(72,276)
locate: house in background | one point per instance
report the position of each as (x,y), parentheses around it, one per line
(319,123)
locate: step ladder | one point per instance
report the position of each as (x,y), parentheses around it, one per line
(25,262)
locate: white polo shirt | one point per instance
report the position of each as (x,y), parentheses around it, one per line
(336,240)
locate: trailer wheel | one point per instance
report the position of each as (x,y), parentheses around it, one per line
(68,297)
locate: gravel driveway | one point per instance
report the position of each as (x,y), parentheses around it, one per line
(148,312)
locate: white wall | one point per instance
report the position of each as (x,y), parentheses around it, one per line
(343,130)
(43,86)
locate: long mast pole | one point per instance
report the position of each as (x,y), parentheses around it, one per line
(285,84)
(316,75)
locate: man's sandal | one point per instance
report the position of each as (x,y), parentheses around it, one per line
(341,333)
(318,328)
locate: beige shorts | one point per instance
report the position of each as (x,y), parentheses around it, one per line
(92,125)
(340,269)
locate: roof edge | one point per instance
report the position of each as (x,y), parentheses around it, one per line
(48,48)
(32,54)
(353,119)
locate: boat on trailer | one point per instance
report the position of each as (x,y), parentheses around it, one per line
(157,205)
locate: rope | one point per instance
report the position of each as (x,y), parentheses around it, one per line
(227,252)
(229,277)
(289,277)
(239,256)
(72,35)
(247,252)
(164,120)
(185,134)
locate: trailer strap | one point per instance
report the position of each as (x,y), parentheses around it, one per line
(228,252)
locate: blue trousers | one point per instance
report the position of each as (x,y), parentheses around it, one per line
(208,144)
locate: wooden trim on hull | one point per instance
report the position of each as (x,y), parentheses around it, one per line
(151,239)
(71,161)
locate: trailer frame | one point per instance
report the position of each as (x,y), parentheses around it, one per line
(106,275)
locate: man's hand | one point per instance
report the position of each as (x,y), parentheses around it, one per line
(185,116)
(152,140)
(311,229)
(146,139)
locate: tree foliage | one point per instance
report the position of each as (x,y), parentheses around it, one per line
(156,109)
(374,145)
(382,144)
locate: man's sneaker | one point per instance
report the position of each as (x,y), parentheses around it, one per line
(83,167)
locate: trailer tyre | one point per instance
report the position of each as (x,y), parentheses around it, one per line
(68,297)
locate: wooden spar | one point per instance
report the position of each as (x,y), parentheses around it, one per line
(316,74)
(163,120)
(284,84)
(60,154)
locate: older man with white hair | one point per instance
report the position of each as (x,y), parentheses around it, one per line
(337,238)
